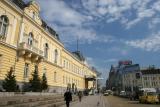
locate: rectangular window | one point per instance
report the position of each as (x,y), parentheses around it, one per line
(55,77)
(26,70)
(0,27)
(63,80)
(145,78)
(0,61)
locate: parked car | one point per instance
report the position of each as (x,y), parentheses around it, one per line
(149,97)
(122,94)
(105,93)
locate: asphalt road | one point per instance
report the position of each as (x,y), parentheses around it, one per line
(114,101)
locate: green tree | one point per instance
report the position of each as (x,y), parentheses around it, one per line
(44,84)
(35,82)
(10,83)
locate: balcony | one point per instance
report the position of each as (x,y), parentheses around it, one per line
(30,51)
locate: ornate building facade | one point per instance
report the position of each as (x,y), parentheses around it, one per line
(27,41)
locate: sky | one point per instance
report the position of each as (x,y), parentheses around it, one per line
(107,30)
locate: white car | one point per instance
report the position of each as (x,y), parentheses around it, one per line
(105,93)
(122,94)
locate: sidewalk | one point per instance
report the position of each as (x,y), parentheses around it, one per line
(89,101)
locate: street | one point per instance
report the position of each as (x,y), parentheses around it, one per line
(114,101)
(108,101)
(90,101)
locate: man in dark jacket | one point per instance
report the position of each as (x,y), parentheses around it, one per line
(68,97)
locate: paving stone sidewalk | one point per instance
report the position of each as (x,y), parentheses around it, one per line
(89,101)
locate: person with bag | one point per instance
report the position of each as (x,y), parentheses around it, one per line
(68,97)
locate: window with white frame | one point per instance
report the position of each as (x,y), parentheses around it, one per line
(30,39)
(4,22)
(63,80)
(55,76)
(26,70)
(46,47)
(34,15)
(67,64)
(56,56)
(0,61)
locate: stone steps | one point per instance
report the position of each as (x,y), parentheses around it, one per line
(33,104)
(34,101)
(25,99)
(58,104)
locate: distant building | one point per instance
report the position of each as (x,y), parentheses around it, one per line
(150,78)
(131,80)
(144,78)
(129,77)
(116,75)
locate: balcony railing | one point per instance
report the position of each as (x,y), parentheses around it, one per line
(26,46)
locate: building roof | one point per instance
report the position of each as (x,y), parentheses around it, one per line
(50,30)
(150,71)
(78,55)
(131,68)
(20,3)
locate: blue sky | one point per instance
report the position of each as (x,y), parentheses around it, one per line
(108,30)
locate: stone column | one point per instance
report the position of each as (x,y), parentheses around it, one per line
(14,26)
(21,33)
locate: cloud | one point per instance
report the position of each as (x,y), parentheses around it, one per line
(70,34)
(113,10)
(71,22)
(68,22)
(156,6)
(151,43)
(90,61)
(154,22)
(57,11)
(103,70)
(121,50)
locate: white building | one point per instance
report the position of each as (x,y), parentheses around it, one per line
(150,78)
(146,78)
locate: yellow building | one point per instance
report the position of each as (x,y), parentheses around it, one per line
(27,41)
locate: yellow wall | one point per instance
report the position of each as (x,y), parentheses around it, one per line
(7,59)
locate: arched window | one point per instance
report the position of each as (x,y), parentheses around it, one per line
(56,56)
(4,22)
(46,50)
(30,39)
(34,15)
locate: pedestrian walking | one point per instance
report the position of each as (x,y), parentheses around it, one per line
(68,97)
(80,96)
